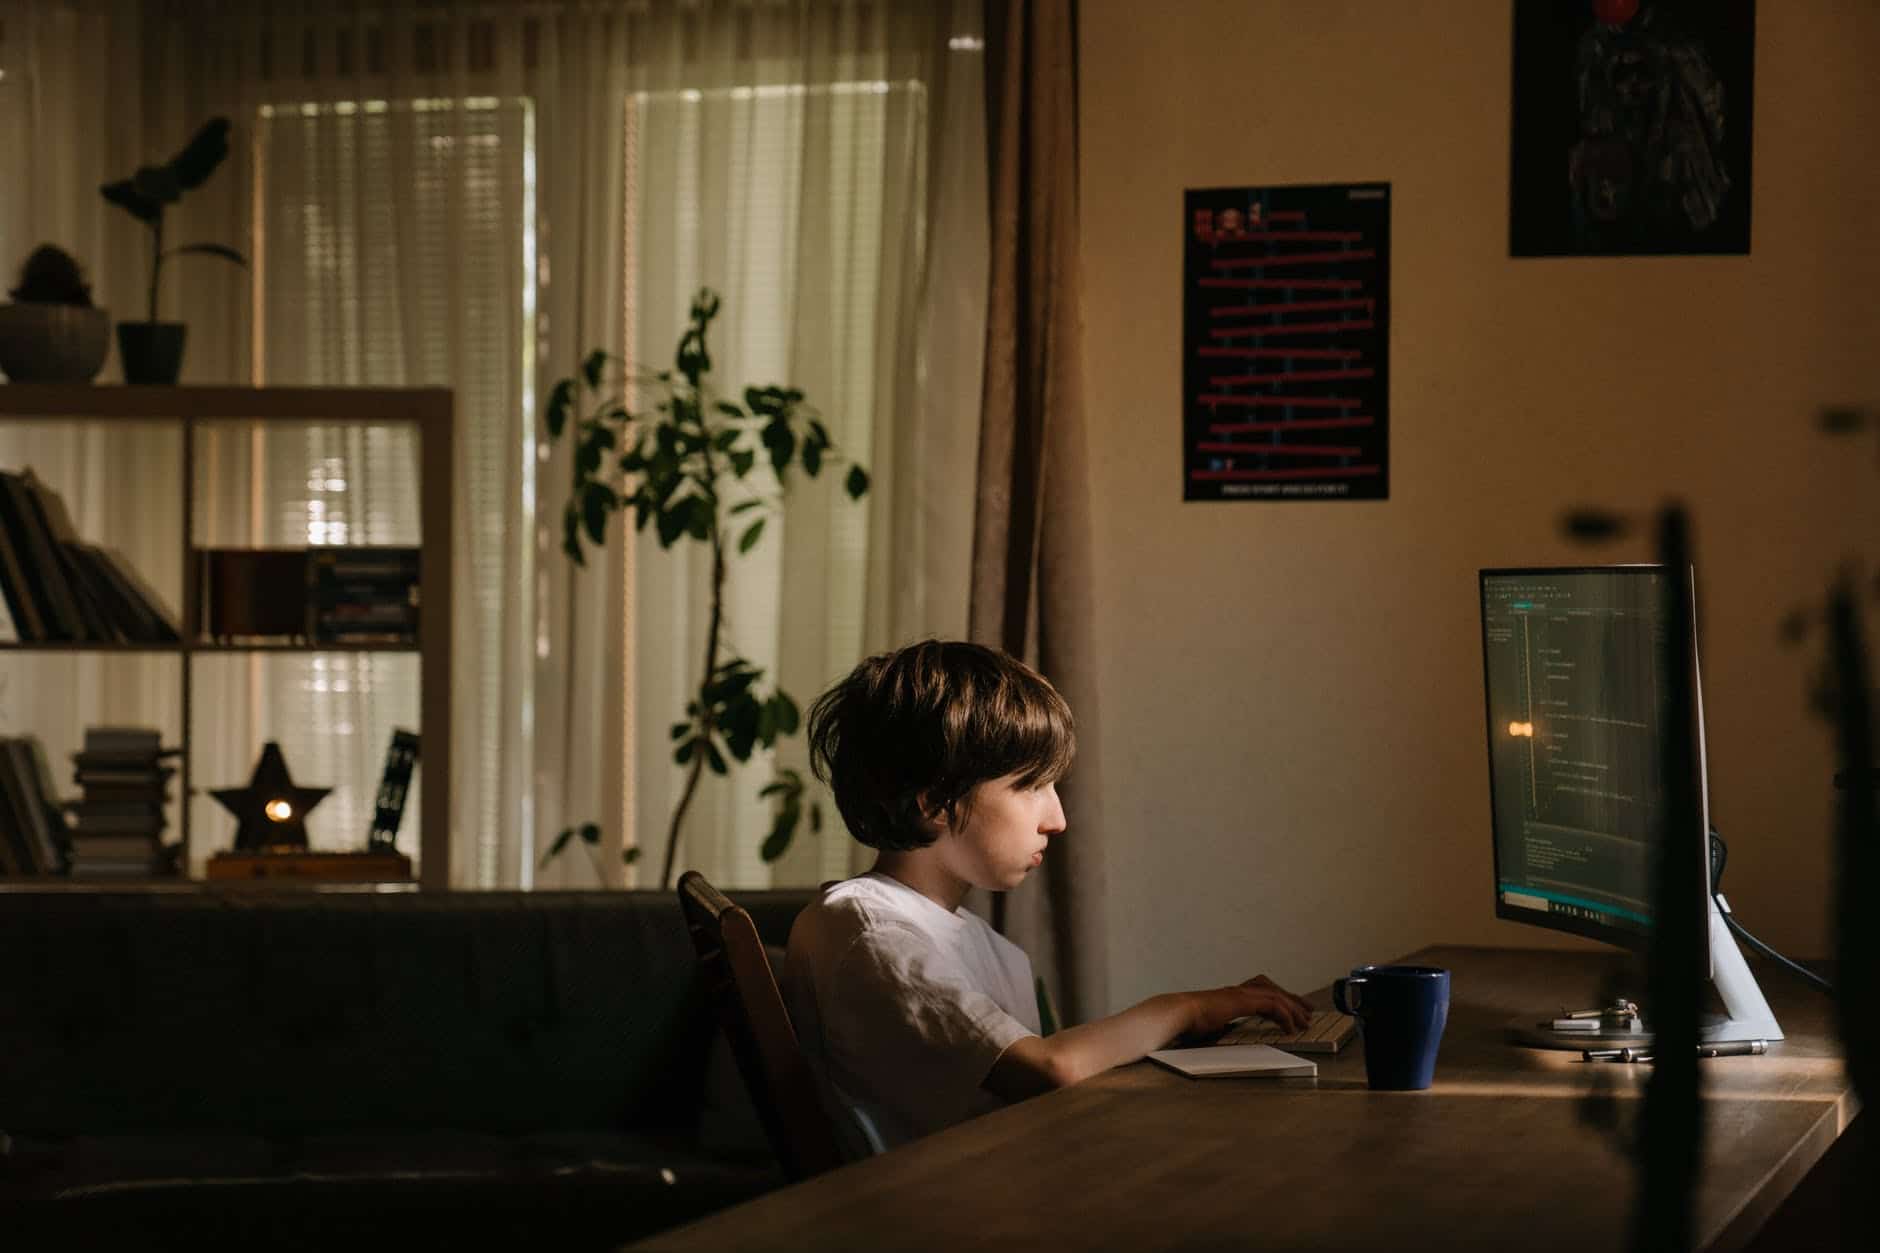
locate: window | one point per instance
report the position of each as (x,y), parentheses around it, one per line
(395,245)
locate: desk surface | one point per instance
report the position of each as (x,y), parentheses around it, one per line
(1500,1153)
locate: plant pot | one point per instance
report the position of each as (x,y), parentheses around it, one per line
(150,352)
(53,343)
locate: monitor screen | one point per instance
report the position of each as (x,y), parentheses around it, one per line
(1573,662)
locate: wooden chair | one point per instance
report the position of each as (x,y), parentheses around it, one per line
(744,991)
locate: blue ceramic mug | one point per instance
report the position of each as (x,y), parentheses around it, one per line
(1401,1011)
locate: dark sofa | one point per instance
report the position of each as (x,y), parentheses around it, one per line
(264,1069)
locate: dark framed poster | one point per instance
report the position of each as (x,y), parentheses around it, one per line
(1631,128)
(1285,320)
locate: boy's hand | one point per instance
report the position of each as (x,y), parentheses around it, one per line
(1214,1009)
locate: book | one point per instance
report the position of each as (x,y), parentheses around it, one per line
(158,621)
(16,823)
(24,489)
(45,824)
(125,740)
(14,588)
(1225,1061)
(44,580)
(120,616)
(151,781)
(16,850)
(127,847)
(57,520)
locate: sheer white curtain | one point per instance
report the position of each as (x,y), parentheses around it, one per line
(822,168)
(474,194)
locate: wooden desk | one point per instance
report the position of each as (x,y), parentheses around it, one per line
(1498,1155)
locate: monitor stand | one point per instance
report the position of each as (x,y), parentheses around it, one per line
(1746,1015)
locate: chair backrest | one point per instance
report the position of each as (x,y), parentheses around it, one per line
(744,991)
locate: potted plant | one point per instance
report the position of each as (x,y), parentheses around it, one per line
(152,351)
(51,333)
(685,463)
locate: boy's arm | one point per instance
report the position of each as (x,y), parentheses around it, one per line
(1038,1064)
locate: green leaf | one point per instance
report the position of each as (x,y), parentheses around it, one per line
(124,195)
(630,855)
(699,517)
(819,432)
(781,441)
(750,537)
(587,460)
(741,462)
(775,786)
(596,503)
(815,818)
(744,506)
(592,367)
(731,683)
(671,526)
(683,753)
(554,850)
(211,250)
(560,400)
(679,729)
(767,724)
(590,833)
(857,482)
(725,439)
(729,410)
(571,534)
(788,717)
(777,843)
(740,727)
(157,183)
(812,457)
(206,150)
(715,759)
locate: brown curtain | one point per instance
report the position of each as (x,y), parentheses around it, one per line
(1031,592)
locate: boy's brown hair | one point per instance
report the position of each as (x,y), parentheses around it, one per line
(909,734)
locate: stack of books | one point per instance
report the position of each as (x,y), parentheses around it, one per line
(32,828)
(362,595)
(117,825)
(54,588)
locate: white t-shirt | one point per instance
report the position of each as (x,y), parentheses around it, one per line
(901,1007)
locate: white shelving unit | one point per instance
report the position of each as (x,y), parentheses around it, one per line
(191,409)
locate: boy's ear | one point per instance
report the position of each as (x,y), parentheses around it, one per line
(933,815)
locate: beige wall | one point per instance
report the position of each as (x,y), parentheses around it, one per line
(1295,776)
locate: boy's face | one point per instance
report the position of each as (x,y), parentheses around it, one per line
(1002,836)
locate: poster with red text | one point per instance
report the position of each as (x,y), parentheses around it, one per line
(1285,364)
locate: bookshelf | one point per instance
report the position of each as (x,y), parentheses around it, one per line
(190,409)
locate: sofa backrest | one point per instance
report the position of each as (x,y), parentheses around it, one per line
(297,1012)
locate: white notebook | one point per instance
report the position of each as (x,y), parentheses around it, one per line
(1227,1060)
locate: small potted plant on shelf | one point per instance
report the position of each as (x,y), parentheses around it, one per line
(51,333)
(152,352)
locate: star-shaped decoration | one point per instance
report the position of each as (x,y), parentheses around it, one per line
(271,810)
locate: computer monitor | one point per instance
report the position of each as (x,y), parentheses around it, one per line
(1575,677)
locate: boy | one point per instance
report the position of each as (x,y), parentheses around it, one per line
(913,1013)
